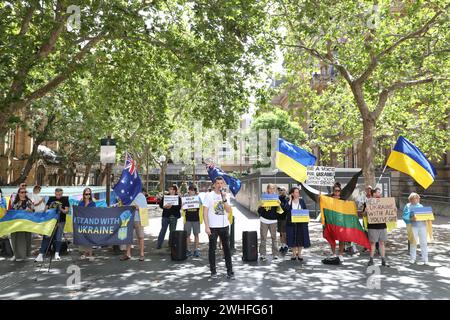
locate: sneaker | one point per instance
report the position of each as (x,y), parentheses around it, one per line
(281,250)
(370,263)
(196,253)
(263,258)
(188,253)
(39,258)
(411,261)
(158,246)
(230,275)
(13,258)
(426,263)
(341,259)
(57,257)
(214,275)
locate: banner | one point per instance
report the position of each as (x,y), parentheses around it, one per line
(320,176)
(21,220)
(299,215)
(381,210)
(191,202)
(423,213)
(94,226)
(173,200)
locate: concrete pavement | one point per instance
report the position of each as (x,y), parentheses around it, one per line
(160,278)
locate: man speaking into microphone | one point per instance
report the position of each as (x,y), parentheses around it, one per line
(215,211)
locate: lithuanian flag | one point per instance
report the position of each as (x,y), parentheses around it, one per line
(407,158)
(341,221)
(21,220)
(293,160)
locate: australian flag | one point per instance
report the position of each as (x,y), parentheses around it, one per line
(233,183)
(129,184)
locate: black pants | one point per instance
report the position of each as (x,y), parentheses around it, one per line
(224,235)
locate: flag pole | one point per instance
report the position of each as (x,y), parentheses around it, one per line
(379,179)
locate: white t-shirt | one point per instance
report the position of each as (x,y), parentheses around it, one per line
(36,198)
(217,216)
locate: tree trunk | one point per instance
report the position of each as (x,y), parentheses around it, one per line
(30,162)
(162,174)
(103,175)
(368,149)
(86,173)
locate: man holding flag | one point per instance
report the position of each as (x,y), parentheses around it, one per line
(126,189)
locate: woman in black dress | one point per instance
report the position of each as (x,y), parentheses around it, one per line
(297,233)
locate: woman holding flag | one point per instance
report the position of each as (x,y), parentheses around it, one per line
(21,241)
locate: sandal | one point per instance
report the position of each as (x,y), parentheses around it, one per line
(141,258)
(124,258)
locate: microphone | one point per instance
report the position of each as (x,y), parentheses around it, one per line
(221,193)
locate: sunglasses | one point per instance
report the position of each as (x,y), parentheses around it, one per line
(87,194)
(22,192)
(337,190)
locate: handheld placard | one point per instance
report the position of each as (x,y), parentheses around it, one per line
(299,215)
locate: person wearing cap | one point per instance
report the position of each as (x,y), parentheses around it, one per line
(192,221)
(62,206)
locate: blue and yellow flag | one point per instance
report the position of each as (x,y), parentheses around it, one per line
(21,220)
(407,158)
(293,160)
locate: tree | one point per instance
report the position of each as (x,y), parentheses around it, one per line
(280,119)
(40,52)
(389,62)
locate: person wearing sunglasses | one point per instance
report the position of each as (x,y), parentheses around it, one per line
(21,241)
(337,194)
(86,201)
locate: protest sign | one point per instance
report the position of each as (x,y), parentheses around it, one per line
(299,215)
(173,200)
(320,176)
(423,213)
(190,202)
(381,210)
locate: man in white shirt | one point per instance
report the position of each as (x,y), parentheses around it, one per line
(215,211)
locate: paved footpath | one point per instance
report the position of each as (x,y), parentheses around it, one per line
(160,278)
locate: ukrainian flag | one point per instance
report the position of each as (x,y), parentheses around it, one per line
(407,158)
(21,220)
(293,160)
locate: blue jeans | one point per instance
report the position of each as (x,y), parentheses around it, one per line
(170,222)
(57,237)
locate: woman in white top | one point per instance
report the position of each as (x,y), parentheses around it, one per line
(38,200)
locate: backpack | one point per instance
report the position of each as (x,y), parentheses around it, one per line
(331,260)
